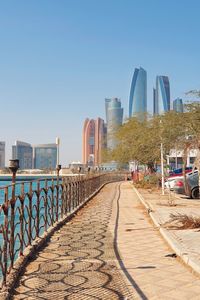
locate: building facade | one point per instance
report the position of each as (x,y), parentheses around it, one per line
(24,152)
(175,158)
(88,142)
(178,105)
(162,95)
(114,119)
(2,154)
(93,141)
(138,94)
(45,156)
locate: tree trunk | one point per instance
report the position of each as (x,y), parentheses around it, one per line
(185,155)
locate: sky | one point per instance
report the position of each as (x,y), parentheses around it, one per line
(59,60)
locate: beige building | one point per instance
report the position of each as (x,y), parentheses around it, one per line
(94,136)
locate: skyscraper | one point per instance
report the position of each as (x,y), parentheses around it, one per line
(114,118)
(138,94)
(88,142)
(178,105)
(154,101)
(24,152)
(93,141)
(162,95)
(2,154)
(100,140)
(45,156)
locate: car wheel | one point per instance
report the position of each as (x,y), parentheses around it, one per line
(195,193)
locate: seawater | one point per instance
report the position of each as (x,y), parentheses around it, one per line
(42,184)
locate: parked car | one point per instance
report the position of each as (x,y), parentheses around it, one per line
(191,188)
(170,182)
(192,185)
(179,186)
(178,172)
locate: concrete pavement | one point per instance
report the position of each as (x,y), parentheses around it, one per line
(110,250)
(184,242)
(154,271)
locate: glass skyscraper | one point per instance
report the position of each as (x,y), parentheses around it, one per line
(178,105)
(24,152)
(114,118)
(162,95)
(45,156)
(138,94)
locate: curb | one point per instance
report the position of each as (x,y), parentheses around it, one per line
(168,237)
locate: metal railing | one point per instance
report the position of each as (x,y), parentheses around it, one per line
(29,209)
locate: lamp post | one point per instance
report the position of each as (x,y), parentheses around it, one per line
(162,169)
(58,144)
(162,162)
(13,166)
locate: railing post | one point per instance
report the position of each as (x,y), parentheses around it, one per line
(38,209)
(46,205)
(13,166)
(52,203)
(58,168)
(5,237)
(30,214)
(63,197)
(22,220)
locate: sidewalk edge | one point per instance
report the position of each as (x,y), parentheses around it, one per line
(167,236)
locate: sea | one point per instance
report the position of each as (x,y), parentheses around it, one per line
(7,182)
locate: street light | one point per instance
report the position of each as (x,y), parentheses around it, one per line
(162,169)
(57,143)
(162,165)
(13,166)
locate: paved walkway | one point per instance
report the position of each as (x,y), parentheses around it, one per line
(111,250)
(185,242)
(79,261)
(147,258)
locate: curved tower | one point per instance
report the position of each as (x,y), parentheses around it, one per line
(88,141)
(138,93)
(93,141)
(162,96)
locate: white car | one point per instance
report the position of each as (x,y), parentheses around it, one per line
(170,182)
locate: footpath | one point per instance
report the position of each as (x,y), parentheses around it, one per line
(112,250)
(152,267)
(185,242)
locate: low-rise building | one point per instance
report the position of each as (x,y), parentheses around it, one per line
(2,155)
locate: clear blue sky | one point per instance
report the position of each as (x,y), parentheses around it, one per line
(60,59)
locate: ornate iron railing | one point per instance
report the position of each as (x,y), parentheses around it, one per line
(29,209)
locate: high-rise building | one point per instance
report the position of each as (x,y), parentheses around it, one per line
(88,142)
(45,156)
(24,152)
(93,141)
(2,154)
(138,94)
(154,101)
(178,105)
(162,95)
(114,118)
(100,140)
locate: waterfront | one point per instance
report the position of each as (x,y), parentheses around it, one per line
(34,200)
